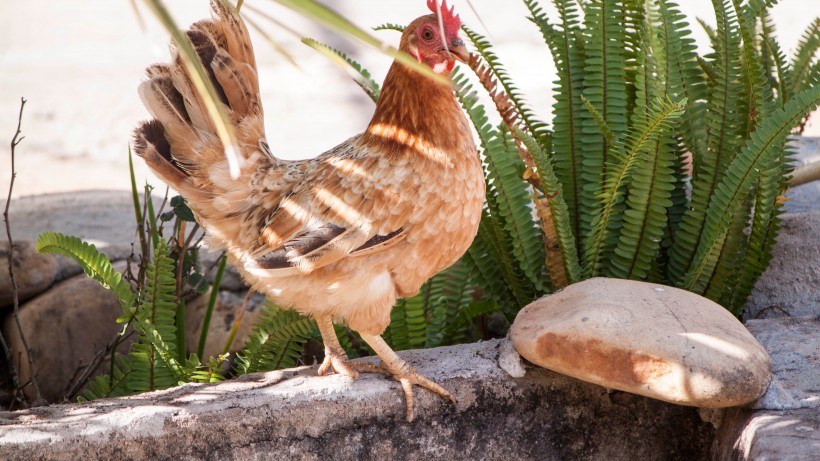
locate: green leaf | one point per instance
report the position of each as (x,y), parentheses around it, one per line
(759,152)
(276,340)
(95,264)
(605,88)
(640,141)
(352,68)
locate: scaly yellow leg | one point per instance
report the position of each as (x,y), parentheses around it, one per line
(401,372)
(336,360)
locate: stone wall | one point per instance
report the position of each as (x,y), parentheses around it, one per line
(293,414)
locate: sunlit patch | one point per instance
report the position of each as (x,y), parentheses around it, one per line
(717,344)
(402,136)
(338,206)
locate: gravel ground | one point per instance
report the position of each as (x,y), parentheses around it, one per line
(79,63)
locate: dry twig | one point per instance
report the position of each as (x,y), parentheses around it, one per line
(17,139)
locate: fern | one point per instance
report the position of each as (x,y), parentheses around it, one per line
(153,357)
(115,384)
(95,264)
(760,151)
(558,207)
(457,292)
(640,138)
(650,191)
(804,56)
(355,70)
(389,26)
(508,229)
(276,341)
(567,111)
(724,133)
(605,88)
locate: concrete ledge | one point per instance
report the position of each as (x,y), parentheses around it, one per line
(294,414)
(784,424)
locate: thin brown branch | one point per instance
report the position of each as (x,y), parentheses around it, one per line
(88,372)
(509,114)
(17,139)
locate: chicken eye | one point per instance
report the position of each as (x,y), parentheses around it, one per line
(427,34)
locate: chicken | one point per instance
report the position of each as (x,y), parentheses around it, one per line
(342,236)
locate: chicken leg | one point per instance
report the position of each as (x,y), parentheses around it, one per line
(395,366)
(335,356)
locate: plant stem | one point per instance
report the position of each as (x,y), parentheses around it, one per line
(206,323)
(15,294)
(180,316)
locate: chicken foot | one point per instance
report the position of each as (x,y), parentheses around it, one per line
(394,366)
(335,356)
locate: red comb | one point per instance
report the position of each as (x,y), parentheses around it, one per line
(452,23)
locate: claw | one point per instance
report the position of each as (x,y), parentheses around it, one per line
(337,362)
(393,366)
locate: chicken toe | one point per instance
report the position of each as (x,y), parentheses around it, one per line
(394,366)
(336,360)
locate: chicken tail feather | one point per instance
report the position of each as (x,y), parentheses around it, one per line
(181,144)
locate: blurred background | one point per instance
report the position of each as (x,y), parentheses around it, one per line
(79,63)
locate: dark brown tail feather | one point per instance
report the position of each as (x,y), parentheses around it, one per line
(151,144)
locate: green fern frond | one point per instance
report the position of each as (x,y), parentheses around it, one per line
(605,87)
(276,341)
(486,269)
(650,188)
(499,252)
(407,328)
(352,68)
(639,141)
(762,235)
(760,152)
(757,92)
(710,32)
(154,357)
(484,48)
(509,225)
(390,26)
(95,264)
(509,202)
(684,80)
(783,75)
(725,131)
(567,111)
(725,274)
(114,384)
(552,189)
(804,55)
(457,291)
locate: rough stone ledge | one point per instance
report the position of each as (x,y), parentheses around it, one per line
(784,424)
(294,414)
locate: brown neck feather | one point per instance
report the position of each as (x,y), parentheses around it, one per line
(414,106)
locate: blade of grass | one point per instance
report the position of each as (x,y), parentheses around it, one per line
(269,38)
(332,19)
(206,322)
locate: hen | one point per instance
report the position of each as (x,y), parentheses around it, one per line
(341,236)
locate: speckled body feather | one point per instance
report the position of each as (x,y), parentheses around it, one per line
(344,234)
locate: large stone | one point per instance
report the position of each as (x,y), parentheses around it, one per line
(65,328)
(790,286)
(644,338)
(33,272)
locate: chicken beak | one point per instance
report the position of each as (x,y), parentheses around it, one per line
(459,51)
